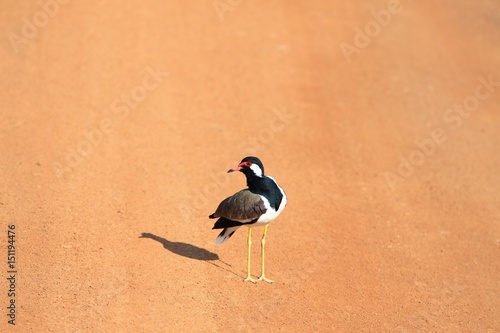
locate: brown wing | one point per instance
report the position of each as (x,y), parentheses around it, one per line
(243,206)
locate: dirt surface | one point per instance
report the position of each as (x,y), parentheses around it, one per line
(380,120)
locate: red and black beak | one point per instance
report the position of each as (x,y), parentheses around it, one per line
(239,167)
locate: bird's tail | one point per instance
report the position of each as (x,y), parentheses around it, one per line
(225,234)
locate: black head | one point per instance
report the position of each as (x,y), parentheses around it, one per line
(250,165)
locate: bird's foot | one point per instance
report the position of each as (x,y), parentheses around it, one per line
(250,279)
(263,278)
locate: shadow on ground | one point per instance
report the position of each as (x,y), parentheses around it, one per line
(183,249)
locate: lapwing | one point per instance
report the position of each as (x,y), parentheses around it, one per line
(258,205)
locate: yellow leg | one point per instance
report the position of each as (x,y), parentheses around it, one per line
(263,245)
(249,242)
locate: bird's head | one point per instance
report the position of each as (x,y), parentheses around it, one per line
(250,166)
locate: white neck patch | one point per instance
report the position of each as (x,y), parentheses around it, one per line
(256,169)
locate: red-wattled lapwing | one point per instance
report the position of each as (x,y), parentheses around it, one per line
(258,204)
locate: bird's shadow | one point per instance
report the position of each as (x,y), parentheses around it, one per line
(183,249)
(191,251)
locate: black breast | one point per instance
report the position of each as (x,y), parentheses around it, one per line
(268,188)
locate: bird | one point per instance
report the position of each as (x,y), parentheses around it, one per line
(257,205)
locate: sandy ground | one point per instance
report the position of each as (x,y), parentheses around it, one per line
(380,120)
